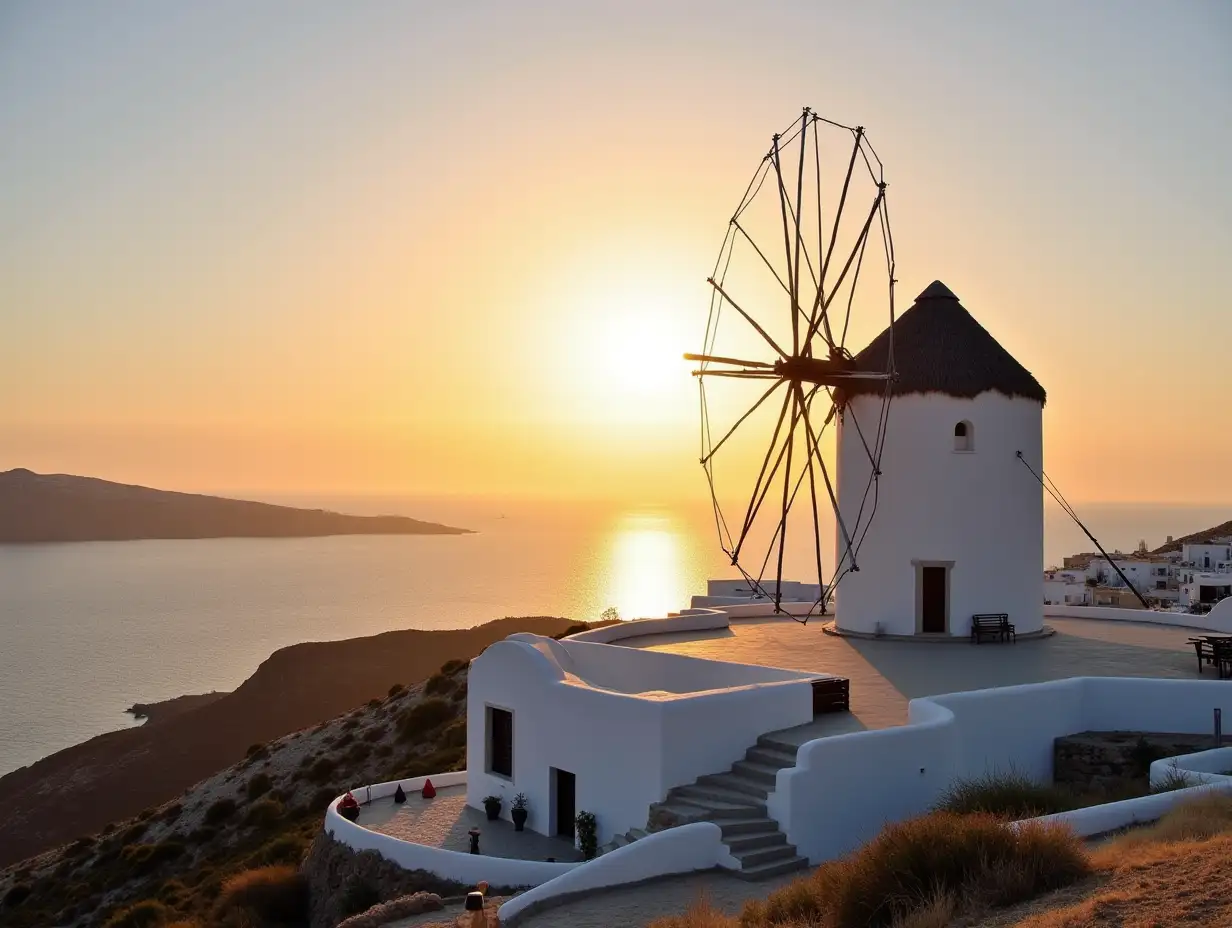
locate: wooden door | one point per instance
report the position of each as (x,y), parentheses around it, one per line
(566,811)
(933,600)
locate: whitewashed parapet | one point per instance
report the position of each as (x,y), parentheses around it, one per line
(698,846)
(844,789)
(1219,619)
(449,865)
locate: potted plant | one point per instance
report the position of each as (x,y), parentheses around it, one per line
(518,810)
(492,805)
(587,834)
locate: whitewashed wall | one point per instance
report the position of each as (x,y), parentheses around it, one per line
(628,744)
(450,865)
(698,846)
(845,789)
(983,510)
(1219,619)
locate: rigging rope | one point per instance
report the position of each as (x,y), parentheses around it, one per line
(1046,482)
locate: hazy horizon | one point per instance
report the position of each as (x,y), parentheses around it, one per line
(459,250)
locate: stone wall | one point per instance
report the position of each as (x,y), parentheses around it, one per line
(1097,759)
(342,881)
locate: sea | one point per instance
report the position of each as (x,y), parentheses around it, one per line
(89,629)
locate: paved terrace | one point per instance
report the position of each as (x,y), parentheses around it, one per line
(446,820)
(886,674)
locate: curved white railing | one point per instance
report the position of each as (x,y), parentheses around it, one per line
(698,846)
(450,865)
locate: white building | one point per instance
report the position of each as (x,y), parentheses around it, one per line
(959,526)
(1216,557)
(1066,588)
(737,592)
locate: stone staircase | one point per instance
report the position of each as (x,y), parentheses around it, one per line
(736,802)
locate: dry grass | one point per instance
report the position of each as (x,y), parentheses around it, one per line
(1172,873)
(915,874)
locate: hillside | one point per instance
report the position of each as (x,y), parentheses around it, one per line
(172,860)
(59,507)
(1222,530)
(81,789)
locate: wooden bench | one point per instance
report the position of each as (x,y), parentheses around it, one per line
(831,695)
(992,625)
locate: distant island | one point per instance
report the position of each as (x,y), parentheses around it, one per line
(59,507)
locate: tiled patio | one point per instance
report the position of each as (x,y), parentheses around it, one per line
(886,674)
(446,820)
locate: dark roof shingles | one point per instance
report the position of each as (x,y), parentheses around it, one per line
(940,348)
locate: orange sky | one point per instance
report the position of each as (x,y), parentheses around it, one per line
(375,249)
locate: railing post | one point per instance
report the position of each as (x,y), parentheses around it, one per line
(1218,727)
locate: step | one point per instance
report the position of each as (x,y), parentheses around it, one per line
(764,855)
(635,834)
(732,827)
(619,841)
(686,809)
(754,840)
(771,757)
(715,798)
(775,868)
(773,744)
(737,784)
(757,772)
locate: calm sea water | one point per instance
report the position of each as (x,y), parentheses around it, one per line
(86,630)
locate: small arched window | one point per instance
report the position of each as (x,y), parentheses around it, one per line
(964,436)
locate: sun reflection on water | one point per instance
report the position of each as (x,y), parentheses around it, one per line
(650,565)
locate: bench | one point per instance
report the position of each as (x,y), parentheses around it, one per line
(831,695)
(992,625)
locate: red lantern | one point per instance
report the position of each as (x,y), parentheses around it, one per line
(429,791)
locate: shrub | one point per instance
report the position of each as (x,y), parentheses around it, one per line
(1205,816)
(424,717)
(219,811)
(1143,754)
(374,703)
(375,733)
(133,832)
(172,812)
(924,862)
(144,858)
(439,684)
(582,626)
(425,765)
(276,895)
(285,849)
(145,914)
(322,769)
(359,753)
(454,735)
(449,668)
(79,847)
(1172,779)
(256,750)
(263,813)
(203,834)
(17,895)
(1007,795)
(258,786)
(323,797)
(384,750)
(359,896)
(396,690)
(350,724)
(587,833)
(344,739)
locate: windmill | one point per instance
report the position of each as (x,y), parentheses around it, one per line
(806,263)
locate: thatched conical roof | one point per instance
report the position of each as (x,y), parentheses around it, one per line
(940,348)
